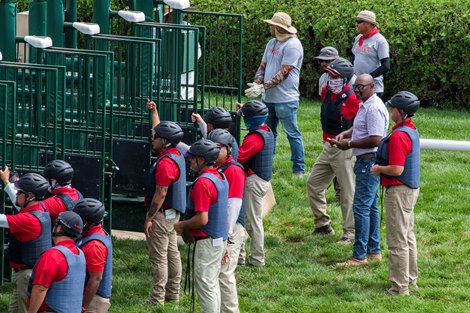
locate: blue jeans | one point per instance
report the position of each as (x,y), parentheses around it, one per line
(366,211)
(286,113)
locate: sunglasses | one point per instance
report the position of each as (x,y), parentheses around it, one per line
(360,86)
(360,21)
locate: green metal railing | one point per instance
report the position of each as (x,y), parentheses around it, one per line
(8,99)
(181,91)
(223,46)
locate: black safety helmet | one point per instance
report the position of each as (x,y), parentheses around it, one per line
(221,136)
(341,67)
(59,170)
(72,224)
(405,101)
(169,131)
(33,183)
(218,117)
(253,108)
(206,149)
(91,210)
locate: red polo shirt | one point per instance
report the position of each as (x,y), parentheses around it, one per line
(236,180)
(25,226)
(399,146)
(252,144)
(203,195)
(52,266)
(55,205)
(95,251)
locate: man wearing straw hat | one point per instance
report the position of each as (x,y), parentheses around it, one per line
(370,49)
(277,79)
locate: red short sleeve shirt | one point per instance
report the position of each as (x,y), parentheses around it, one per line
(24,225)
(203,195)
(236,180)
(95,252)
(399,146)
(167,171)
(55,205)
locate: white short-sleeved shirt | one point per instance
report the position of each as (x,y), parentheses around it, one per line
(371,120)
(276,53)
(367,57)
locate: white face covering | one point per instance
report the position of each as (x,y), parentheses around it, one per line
(335,85)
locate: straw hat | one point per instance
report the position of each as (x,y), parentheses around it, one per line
(283,21)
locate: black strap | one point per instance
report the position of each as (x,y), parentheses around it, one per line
(381,196)
(189,275)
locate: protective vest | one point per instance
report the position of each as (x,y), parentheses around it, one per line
(241,216)
(332,121)
(68,201)
(104,289)
(217,225)
(66,296)
(411,172)
(234,151)
(29,252)
(176,195)
(262,162)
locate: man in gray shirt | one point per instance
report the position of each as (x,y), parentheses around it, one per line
(277,79)
(370,126)
(370,50)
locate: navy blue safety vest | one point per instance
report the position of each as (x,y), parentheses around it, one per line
(332,121)
(66,296)
(104,289)
(411,172)
(29,252)
(241,216)
(176,195)
(217,225)
(262,162)
(234,151)
(68,201)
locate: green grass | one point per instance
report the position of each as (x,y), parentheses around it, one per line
(300,275)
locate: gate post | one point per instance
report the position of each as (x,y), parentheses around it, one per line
(8,27)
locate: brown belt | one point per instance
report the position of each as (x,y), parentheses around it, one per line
(366,156)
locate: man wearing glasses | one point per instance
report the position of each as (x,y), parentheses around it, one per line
(369,127)
(370,50)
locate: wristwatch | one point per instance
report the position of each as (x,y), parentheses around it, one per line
(349,143)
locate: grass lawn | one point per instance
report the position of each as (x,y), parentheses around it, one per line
(300,273)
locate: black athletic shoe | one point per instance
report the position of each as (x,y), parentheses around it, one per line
(324,230)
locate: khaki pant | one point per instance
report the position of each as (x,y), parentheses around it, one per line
(227,280)
(330,163)
(255,189)
(18,296)
(98,305)
(165,258)
(401,240)
(207,263)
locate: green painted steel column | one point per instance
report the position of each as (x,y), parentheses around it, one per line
(145,6)
(8,29)
(37,17)
(101,11)
(70,16)
(55,22)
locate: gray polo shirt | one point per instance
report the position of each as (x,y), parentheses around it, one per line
(367,57)
(371,120)
(289,52)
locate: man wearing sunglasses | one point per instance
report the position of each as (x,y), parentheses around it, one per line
(369,127)
(370,50)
